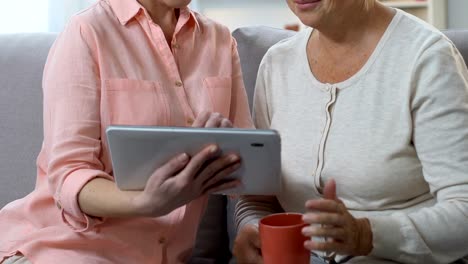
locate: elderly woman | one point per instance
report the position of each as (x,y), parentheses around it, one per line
(152,62)
(372,107)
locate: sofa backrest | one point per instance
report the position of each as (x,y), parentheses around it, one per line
(252,44)
(460,39)
(22,58)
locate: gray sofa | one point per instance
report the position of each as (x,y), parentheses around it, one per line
(22,57)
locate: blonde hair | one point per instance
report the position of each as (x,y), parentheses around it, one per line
(367,4)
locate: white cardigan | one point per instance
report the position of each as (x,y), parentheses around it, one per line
(394,137)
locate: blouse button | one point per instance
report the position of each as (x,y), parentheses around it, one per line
(162,240)
(178,83)
(190,121)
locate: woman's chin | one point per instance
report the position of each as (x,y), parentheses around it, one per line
(310,20)
(177,3)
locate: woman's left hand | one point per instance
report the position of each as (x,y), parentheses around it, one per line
(329,218)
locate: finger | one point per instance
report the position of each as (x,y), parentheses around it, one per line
(226,123)
(223,187)
(249,256)
(213,123)
(198,160)
(221,177)
(329,190)
(319,231)
(218,170)
(253,257)
(325,219)
(255,237)
(340,201)
(170,168)
(201,119)
(214,120)
(329,206)
(247,246)
(215,165)
(331,246)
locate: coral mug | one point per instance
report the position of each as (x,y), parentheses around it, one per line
(282,239)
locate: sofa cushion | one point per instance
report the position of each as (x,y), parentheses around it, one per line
(22,58)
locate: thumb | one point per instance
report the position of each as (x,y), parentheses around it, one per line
(255,237)
(329,190)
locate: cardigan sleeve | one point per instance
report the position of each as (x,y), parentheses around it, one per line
(439,105)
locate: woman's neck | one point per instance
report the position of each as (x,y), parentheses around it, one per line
(338,49)
(164,16)
(353,24)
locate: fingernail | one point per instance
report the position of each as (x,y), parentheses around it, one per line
(233,158)
(213,149)
(183,157)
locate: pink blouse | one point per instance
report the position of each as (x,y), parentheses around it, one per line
(113,65)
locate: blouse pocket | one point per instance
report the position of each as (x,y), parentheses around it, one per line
(219,91)
(134,102)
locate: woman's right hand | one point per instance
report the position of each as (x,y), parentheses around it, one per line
(247,247)
(212,119)
(184,179)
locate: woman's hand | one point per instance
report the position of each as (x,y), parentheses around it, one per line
(330,219)
(208,119)
(247,246)
(184,179)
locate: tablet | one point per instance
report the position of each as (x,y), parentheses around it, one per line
(137,151)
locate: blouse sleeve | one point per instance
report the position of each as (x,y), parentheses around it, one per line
(72,124)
